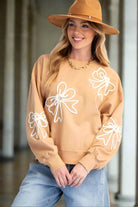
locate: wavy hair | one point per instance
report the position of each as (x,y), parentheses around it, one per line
(63,50)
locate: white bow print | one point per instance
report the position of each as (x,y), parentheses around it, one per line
(64,96)
(101,82)
(111,131)
(37,122)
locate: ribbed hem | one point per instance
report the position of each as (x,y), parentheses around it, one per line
(71,157)
(87,160)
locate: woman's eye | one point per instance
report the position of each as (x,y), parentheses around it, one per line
(85,26)
(71,25)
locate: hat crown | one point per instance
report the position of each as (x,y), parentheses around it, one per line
(86,7)
(87,10)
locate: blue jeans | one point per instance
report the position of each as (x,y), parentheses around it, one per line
(39,189)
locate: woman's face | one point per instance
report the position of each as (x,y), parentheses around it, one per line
(80,34)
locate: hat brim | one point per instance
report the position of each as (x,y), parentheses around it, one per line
(59,20)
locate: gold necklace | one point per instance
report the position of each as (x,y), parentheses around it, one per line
(81,67)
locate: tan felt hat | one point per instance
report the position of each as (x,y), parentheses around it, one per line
(89,10)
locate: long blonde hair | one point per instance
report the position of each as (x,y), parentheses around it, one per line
(63,50)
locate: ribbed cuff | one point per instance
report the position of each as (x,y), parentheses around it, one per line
(88,162)
(55,163)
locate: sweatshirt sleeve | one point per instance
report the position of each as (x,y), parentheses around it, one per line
(37,126)
(107,140)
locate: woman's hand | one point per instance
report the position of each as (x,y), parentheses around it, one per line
(78,175)
(62,176)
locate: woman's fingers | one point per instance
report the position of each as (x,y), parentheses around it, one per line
(80,182)
(75,178)
(62,181)
(68,177)
(76,181)
(58,181)
(78,174)
(62,176)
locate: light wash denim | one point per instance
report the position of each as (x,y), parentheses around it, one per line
(39,189)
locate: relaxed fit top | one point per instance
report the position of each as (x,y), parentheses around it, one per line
(78,119)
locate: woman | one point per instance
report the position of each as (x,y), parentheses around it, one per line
(74,114)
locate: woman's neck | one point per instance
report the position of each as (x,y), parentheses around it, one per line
(80,55)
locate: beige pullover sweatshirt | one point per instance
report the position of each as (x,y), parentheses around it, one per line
(78,119)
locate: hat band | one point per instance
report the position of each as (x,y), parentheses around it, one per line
(86,17)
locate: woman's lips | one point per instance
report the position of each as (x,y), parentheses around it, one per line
(77,39)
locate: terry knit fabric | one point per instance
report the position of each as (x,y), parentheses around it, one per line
(78,119)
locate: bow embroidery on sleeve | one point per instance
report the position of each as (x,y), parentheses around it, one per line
(37,122)
(111,132)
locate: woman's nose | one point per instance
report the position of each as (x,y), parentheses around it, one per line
(76,33)
(77,30)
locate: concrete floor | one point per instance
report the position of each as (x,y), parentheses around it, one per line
(12,173)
